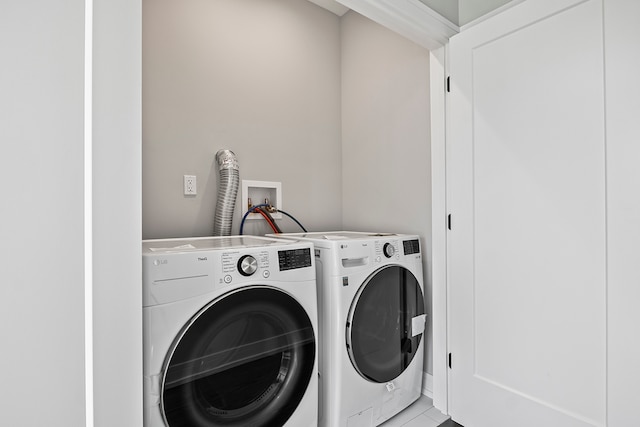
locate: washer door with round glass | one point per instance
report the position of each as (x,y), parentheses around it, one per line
(381,339)
(244,360)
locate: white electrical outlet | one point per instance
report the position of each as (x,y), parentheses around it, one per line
(190,185)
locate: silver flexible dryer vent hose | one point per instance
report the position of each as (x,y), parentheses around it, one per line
(228,181)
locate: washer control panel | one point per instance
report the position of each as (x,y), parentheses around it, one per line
(389,250)
(386,250)
(411,246)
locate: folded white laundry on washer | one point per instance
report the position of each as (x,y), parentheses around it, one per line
(174,248)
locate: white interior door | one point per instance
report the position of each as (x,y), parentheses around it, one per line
(527,260)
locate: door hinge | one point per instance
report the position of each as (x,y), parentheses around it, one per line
(449,221)
(449,360)
(448,83)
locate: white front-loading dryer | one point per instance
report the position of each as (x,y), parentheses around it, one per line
(372,318)
(229,332)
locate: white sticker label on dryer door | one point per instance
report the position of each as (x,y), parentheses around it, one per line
(417,325)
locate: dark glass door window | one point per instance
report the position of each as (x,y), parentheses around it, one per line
(245,360)
(380,339)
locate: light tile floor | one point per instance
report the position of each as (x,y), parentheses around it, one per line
(420,414)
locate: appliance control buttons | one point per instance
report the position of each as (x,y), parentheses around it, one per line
(227,278)
(266,274)
(247,265)
(389,250)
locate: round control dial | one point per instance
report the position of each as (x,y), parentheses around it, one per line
(388,250)
(247,265)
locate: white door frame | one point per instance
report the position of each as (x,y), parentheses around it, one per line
(440,122)
(113,216)
(439,284)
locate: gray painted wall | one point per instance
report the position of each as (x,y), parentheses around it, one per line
(294,91)
(386,150)
(259,77)
(42,229)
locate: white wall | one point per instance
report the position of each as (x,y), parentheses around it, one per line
(259,77)
(41,181)
(622,58)
(117,296)
(386,137)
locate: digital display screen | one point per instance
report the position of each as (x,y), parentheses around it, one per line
(294,258)
(411,247)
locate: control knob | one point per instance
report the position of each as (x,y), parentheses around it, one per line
(388,250)
(247,265)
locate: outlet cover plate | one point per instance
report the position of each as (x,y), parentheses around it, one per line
(190,188)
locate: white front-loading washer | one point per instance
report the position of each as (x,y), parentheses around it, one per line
(372,319)
(229,332)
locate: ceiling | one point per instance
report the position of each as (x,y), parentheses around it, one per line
(332,6)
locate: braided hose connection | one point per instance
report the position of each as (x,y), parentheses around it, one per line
(228,182)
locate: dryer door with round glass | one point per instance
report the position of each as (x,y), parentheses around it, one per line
(384,327)
(245,359)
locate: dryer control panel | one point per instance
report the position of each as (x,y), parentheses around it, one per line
(291,262)
(294,258)
(243,262)
(174,270)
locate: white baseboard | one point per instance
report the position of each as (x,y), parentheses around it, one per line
(427,385)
